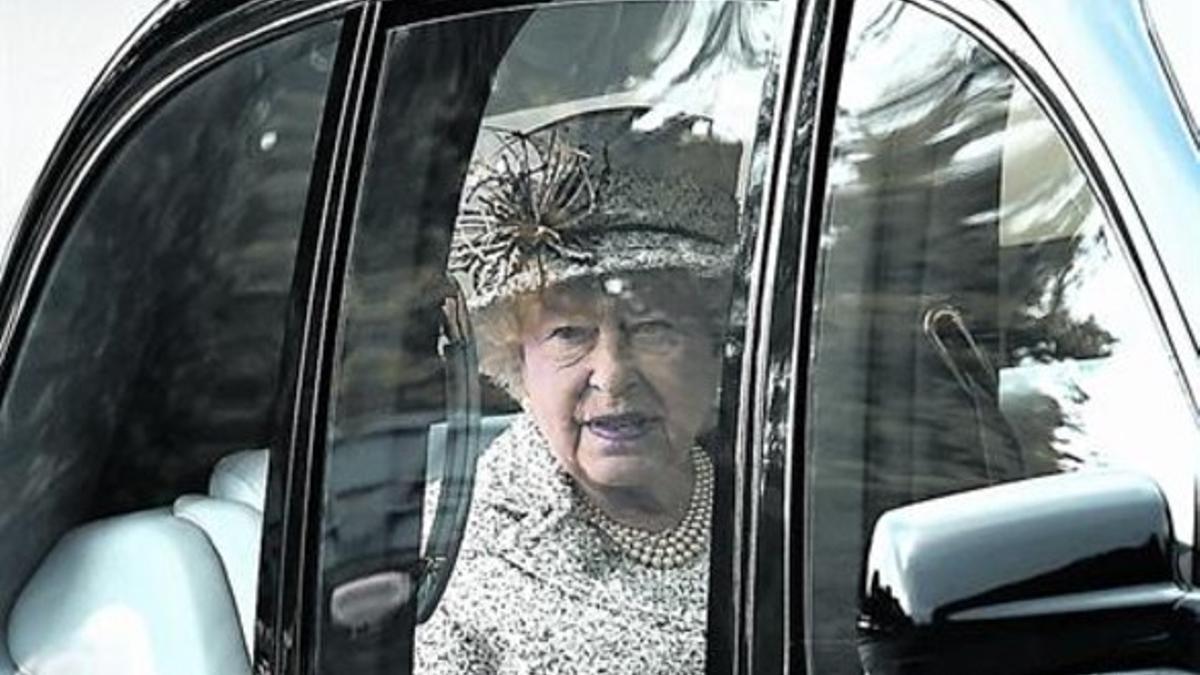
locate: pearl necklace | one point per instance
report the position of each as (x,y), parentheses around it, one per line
(669,548)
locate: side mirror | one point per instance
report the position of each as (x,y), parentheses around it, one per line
(1068,573)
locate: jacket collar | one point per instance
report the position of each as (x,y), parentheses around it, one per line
(519,474)
(544,533)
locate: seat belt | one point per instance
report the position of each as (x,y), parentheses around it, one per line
(946,330)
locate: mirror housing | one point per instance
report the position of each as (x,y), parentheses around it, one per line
(1055,574)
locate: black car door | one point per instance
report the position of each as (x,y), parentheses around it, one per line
(977,362)
(154,309)
(393,444)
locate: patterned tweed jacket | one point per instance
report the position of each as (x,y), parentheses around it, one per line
(537,589)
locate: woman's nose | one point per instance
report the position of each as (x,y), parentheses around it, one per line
(613,370)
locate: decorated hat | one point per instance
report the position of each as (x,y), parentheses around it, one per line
(593,195)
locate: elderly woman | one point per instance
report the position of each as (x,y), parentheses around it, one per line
(597,261)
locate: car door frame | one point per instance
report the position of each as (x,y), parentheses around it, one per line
(998,26)
(182,40)
(769,490)
(759,500)
(175,45)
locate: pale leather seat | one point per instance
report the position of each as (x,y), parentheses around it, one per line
(234,530)
(166,591)
(143,593)
(241,477)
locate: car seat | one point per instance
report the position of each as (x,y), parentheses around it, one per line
(161,591)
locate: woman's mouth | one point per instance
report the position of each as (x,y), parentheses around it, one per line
(620,428)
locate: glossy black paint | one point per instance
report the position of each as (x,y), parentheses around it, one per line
(768,615)
(1129,587)
(178,44)
(175,46)
(1067,573)
(752,483)
(331,208)
(821,37)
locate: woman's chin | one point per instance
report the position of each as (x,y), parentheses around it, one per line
(624,473)
(626,464)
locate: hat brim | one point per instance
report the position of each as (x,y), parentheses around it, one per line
(633,252)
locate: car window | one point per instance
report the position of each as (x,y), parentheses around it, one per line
(134,425)
(542,312)
(977,320)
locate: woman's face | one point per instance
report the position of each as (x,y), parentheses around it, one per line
(619,379)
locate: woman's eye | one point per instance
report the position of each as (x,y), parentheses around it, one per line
(655,326)
(657,329)
(570,334)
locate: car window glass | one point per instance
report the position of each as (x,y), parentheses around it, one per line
(543,285)
(977,320)
(134,425)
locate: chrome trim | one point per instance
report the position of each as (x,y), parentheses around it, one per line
(1189,118)
(778,370)
(314,347)
(107,73)
(813,193)
(145,28)
(82,169)
(997,27)
(752,407)
(817,37)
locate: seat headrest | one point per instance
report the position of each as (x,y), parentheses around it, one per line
(234,529)
(143,592)
(241,477)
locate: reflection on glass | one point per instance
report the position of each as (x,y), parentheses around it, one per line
(977,321)
(1081,341)
(577,193)
(134,428)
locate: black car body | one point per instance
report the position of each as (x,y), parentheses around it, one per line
(971,258)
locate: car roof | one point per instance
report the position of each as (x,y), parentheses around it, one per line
(52,53)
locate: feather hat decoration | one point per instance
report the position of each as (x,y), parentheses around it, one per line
(592,195)
(524,208)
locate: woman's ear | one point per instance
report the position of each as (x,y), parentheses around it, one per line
(516,388)
(513,386)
